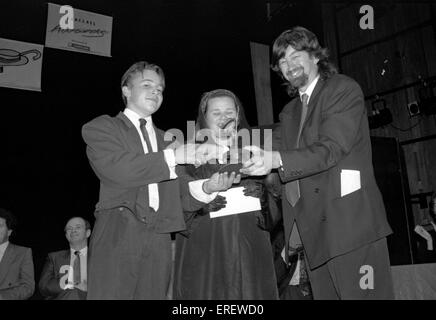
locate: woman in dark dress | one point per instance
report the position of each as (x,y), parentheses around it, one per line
(227,257)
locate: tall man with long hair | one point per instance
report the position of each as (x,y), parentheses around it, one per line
(322,152)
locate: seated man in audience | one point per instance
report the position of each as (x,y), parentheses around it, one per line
(64,276)
(16,264)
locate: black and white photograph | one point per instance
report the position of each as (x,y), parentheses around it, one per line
(219,156)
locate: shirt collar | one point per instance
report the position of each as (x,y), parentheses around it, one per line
(309,89)
(82,251)
(134,118)
(3,246)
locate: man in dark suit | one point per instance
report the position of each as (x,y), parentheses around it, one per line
(64,276)
(16,264)
(331,202)
(141,200)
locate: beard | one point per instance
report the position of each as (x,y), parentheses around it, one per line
(299,81)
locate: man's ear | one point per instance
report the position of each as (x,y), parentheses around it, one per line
(88,233)
(126,92)
(9,233)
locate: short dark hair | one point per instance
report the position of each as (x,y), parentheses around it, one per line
(302,39)
(11,221)
(87,224)
(139,67)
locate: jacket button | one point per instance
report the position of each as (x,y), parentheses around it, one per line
(316,190)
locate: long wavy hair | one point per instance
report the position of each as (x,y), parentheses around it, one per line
(301,39)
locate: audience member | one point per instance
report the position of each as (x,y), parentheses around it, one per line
(16,264)
(64,276)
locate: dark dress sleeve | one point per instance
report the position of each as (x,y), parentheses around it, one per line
(192,217)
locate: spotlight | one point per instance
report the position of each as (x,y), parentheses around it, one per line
(413,108)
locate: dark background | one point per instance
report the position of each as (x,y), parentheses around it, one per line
(201,45)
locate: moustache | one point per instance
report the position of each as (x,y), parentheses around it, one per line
(289,74)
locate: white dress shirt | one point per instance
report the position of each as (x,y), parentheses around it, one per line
(153,190)
(3,247)
(195,187)
(309,89)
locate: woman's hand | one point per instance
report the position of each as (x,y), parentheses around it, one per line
(252,188)
(216,204)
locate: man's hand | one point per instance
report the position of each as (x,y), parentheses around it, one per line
(220,182)
(261,162)
(208,151)
(198,154)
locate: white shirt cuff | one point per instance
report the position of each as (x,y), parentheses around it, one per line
(170,159)
(196,189)
(69,285)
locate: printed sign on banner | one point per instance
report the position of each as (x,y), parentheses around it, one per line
(20,64)
(77,30)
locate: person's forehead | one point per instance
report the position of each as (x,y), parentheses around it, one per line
(2,221)
(221,102)
(75,222)
(290,51)
(148,75)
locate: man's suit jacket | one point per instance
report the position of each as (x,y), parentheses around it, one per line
(17,280)
(335,137)
(54,271)
(117,157)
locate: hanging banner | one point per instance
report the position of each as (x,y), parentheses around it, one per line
(76,30)
(20,64)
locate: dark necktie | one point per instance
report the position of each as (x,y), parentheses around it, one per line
(153,191)
(76,268)
(293,188)
(142,123)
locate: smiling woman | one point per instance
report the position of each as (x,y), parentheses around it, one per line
(225,257)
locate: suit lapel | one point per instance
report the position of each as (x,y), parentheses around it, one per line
(291,120)
(159,139)
(313,100)
(66,257)
(133,134)
(6,261)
